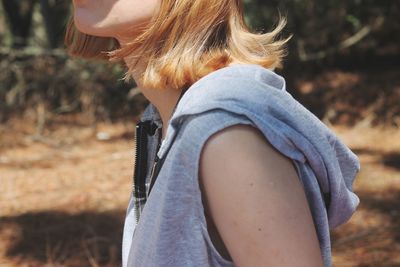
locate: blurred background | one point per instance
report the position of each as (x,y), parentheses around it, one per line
(67,128)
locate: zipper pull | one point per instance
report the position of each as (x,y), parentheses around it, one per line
(156,161)
(152,171)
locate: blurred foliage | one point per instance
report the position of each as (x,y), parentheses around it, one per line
(23,17)
(38,77)
(326,28)
(35,71)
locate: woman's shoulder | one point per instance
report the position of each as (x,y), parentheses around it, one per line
(244,82)
(248,89)
(197,128)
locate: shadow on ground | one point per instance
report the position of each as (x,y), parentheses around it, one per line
(378,245)
(388,159)
(62,239)
(392,159)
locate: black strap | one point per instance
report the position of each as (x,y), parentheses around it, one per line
(159,162)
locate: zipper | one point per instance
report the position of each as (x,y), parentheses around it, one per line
(143,129)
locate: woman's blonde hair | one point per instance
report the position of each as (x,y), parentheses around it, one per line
(186,40)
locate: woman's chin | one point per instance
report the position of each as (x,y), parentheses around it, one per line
(79,3)
(82,27)
(89,28)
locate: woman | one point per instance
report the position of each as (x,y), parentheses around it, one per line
(230,169)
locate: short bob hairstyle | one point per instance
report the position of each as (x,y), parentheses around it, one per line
(184,41)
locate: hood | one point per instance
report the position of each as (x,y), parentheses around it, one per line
(261,96)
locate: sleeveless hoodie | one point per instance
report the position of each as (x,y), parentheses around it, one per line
(172,229)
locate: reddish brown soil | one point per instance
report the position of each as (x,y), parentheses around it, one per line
(63,196)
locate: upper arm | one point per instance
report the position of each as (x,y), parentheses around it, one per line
(256,200)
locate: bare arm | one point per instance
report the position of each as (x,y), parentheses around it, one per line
(256,201)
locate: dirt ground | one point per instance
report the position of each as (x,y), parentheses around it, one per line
(63,195)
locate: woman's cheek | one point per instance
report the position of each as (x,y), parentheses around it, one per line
(79,3)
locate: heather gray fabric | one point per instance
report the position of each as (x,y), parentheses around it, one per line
(172,229)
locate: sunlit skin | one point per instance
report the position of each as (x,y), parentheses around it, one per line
(256,200)
(252,192)
(122,19)
(113,18)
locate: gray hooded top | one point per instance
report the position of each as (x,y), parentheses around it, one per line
(172,229)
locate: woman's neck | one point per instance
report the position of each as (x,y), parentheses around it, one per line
(164,99)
